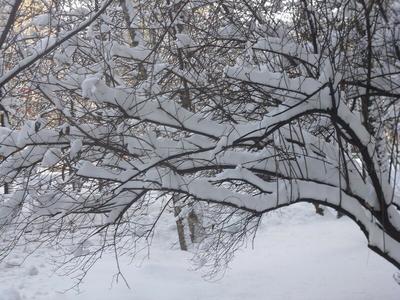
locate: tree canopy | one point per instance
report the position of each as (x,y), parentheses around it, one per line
(115,111)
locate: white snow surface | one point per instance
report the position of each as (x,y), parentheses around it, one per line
(297,255)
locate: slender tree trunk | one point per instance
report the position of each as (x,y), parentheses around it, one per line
(2,123)
(186,102)
(142,72)
(180,226)
(142,75)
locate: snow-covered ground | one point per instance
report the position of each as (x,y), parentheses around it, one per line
(297,255)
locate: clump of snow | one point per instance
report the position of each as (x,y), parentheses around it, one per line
(184,41)
(76,147)
(10,207)
(45,43)
(159,67)
(51,157)
(41,20)
(89,85)
(137,53)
